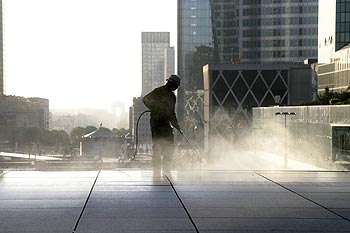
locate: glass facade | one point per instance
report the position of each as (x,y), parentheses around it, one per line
(239,31)
(225,29)
(278,31)
(334,68)
(195,49)
(342,34)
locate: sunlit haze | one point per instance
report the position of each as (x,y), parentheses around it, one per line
(80,53)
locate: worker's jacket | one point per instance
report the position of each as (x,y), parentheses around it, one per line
(161,101)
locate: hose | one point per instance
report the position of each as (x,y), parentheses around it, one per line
(137,132)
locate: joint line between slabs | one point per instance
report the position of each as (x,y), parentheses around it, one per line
(85,204)
(183,205)
(308,199)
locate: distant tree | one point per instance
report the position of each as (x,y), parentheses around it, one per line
(120,132)
(78,132)
(89,129)
(332,98)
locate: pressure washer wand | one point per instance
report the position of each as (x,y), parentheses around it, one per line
(188,141)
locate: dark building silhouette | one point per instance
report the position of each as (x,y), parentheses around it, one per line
(18,111)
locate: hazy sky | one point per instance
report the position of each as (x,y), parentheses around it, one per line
(80,53)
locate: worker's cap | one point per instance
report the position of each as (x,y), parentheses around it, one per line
(175,79)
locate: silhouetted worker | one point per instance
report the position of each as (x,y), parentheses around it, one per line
(161,101)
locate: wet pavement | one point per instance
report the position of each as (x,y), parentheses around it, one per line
(184,201)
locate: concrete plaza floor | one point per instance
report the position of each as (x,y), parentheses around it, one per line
(184,202)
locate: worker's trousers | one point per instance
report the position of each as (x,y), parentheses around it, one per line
(163,150)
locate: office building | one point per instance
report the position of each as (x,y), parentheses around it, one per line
(232,90)
(282,31)
(240,31)
(225,30)
(194,50)
(169,62)
(334,51)
(154,47)
(24,112)
(342,24)
(317,135)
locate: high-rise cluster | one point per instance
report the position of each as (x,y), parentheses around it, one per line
(240,31)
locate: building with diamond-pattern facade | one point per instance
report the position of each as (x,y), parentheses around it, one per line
(231,91)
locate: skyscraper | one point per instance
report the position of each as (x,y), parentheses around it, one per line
(169,62)
(342,32)
(278,31)
(154,46)
(333,44)
(195,49)
(225,29)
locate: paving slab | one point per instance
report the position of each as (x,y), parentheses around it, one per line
(265,212)
(129,212)
(272,225)
(138,188)
(342,211)
(134,224)
(136,201)
(38,220)
(34,201)
(133,195)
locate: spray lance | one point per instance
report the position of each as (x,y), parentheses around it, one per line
(188,141)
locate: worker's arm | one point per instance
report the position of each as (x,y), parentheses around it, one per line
(173,118)
(174,123)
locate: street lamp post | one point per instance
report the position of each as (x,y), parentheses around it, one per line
(285,114)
